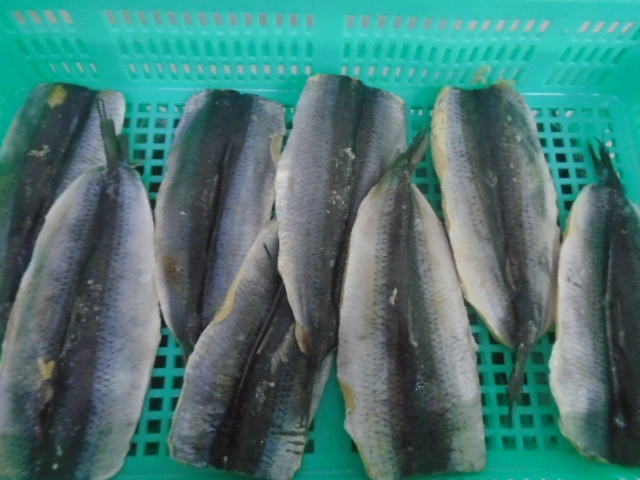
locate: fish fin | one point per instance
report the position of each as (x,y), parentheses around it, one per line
(604,165)
(516,381)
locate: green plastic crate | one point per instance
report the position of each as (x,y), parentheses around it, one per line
(577,62)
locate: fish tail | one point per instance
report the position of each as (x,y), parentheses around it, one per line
(516,381)
(116,147)
(416,151)
(404,163)
(604,165)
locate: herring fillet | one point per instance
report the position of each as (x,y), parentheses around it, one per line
(213,371)
(406,356)
(83,334)
(215,197)
(246,401)
(595,364)
(31,157)
(501,214)
(343,135)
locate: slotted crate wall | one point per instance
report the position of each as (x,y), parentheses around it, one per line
(574,61)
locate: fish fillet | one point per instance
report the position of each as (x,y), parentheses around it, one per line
(83,334)
(32,159)
(215,197)
(406,356)
(343,135)
(595,363)
(249,391)
(501,214)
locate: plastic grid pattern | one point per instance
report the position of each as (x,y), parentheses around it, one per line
(439,51)
(48,41)
(465,43)
(577,70)
(247,47)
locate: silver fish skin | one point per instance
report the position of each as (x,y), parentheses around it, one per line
(249,392)
(216,195)
(595,362)
(32,159)
(343,135)
(501,213)
(83,334)
(406,356)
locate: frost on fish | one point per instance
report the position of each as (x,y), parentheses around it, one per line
(216,195)
(344,134)
(595,363)
(501,214)
(406,357)
(249,392)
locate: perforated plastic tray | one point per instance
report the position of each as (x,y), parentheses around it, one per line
(578,64)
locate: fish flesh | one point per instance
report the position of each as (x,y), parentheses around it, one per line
(595,362)
(249,392)
(406,356)
(53,139)
(344,134)
(83,333)
(217,193)
(500,209)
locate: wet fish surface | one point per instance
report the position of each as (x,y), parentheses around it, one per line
(217,193)
(595,362)
(406,356)
(343,136)
(45,149)
(501,214)
(83,334)
(249,392)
